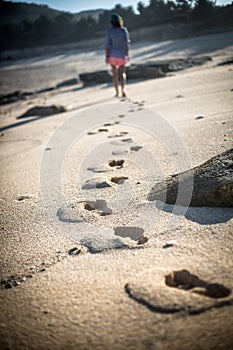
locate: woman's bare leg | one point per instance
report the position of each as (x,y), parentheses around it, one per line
(122,72)
(115,79)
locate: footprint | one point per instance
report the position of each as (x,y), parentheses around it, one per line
(121,133)
(121,116)
(135,148)
(93,184)
(179,291)
(102,130)
(95,170)
(91,133)
(183,279)
(117,153)
(99,205)
(119,179)
(116,163)
(67,215)
(133,232)
(127,140)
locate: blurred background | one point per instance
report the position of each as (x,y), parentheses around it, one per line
(44,23)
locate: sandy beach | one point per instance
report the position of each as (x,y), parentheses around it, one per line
(74,205)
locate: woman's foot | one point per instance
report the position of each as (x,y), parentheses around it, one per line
(124,94)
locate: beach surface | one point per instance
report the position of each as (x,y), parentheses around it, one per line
(86,261)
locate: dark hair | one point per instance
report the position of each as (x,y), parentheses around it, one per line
(116,20)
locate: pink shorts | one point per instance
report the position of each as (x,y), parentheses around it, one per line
(116,61)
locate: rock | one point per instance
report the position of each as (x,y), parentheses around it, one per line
(148,70)
(169,244)
(98,77)
(74,251)
(212,184)
(42,111)
(69,82)
(14,97)
(144,71)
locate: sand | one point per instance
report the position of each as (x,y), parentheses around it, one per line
(79,299)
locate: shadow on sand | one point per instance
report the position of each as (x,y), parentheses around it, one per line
(200,215)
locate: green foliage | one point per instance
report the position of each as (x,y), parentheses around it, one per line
(62,27)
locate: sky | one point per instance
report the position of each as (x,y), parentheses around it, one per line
(81,5)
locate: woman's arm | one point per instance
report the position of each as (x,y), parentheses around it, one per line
(107,51)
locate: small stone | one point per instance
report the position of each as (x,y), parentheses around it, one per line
(15,283)
(8,285)
(74,251)
(199,117)
(143,239)
(23,196)
(170,243)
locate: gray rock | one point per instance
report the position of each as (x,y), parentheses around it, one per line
(98,77)
(212,184)
(14,97)
(42,111)
(144,71)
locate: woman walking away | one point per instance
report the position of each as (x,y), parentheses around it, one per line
(117,51)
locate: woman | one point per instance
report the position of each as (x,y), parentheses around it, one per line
(117,51)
